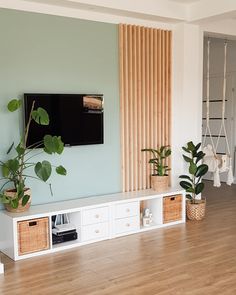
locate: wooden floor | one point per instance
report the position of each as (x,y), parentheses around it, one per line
(198,258)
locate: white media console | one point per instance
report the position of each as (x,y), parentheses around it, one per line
(96,218)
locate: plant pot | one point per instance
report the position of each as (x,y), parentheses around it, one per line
(159,183)
(12,194)
(196,211)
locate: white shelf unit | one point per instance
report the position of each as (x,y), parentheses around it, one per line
(96,218)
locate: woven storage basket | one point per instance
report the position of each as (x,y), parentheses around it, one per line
(159,183)
(33,235)
(172,208)
(196,211)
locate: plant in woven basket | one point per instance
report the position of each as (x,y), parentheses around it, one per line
(192,183)
(159,177)
(158,160)
(16,169)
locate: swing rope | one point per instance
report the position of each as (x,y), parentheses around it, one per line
(222,126)
(214,147)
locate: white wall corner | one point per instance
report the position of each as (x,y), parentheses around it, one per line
(187,92)
(1,268)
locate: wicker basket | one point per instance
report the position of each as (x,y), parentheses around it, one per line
(196,211)
(159,183)
(33,235)
(12,194)
(172,208)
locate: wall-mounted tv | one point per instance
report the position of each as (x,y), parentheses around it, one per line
(77,118)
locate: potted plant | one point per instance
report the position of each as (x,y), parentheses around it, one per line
(17,169)
(159,177)
(192,183)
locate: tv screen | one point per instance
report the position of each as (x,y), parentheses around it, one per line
(77,118)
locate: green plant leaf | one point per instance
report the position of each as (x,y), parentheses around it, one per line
(200,155)
(40,116)
(201,170)
(25,200)
(14,203)
(53,144)
(43,170)
(185,149)
(5,170)
(13,165)
(185,184)
(185,177)
(14,105)
(10,148)
(188,196)
(61,170)
(191,146)
(187,159)
(20,190)
(197,146)
(199,188)
(4,199)
(192,168)
(190,190)
(20,150)
(167,153)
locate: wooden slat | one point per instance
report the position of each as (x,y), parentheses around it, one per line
(145,99)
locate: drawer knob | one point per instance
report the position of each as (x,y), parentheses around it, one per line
(97,216)
(97,231)
(127,224)
(127,210)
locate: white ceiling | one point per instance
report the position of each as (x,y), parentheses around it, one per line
(165,11)
(185,1)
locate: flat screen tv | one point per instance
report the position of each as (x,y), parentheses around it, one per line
(77,118)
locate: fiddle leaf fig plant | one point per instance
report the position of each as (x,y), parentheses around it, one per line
(192,183)
(158,160)
(16,170)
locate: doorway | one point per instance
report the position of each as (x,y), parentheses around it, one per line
(216,77)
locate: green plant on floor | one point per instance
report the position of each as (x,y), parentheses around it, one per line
(16,169)
(158,160)
(192,183)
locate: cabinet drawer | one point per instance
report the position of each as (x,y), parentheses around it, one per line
(95,231)
(127,224)
(127,209)
(95,215)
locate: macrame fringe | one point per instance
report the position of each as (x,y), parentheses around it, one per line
(217,178)
(230,179)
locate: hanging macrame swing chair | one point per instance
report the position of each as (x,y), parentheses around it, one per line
(217,163)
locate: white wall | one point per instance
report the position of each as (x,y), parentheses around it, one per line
(1,268)
(187,92)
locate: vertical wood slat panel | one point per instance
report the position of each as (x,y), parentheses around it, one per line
(145,99)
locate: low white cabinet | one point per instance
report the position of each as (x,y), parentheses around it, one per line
(95,218)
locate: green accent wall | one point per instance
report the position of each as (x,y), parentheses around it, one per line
(51,54)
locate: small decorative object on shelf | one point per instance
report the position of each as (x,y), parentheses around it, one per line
(147,217)
(159,177)
(192,183)
(16,170)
